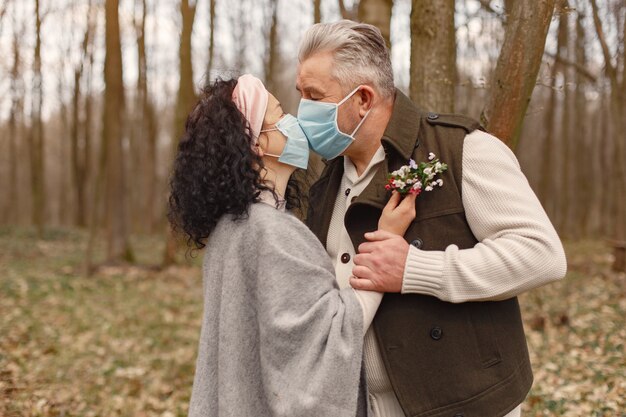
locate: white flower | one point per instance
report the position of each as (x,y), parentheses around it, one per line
(440,182)
(428,170)
(438,167)
(417,185)
(399,183)
(412,164)
(431,156)
(429,188)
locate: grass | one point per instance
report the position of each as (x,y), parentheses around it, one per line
(123,342)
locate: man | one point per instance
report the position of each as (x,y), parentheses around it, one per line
(447,339)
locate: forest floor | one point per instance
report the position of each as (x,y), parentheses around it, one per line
(123,342)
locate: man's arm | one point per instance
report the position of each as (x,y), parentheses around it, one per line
(518,247)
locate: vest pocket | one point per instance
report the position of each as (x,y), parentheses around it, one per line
(485,334)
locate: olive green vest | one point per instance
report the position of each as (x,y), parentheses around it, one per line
(443,359)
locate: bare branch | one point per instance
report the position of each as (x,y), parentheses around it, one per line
(346,13)
(579,68)
(486,4)
(3,11)
(610,69)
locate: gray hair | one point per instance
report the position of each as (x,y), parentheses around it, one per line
(361,55)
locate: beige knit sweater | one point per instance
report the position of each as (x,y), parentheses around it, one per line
(518,247)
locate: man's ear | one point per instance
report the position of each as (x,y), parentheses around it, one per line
(366,99)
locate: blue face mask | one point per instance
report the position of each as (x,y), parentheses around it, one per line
(319,122)
(296,151)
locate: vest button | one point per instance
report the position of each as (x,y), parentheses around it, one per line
(418,243)
(345,258)
(432,116)
(436,333)
(347,192)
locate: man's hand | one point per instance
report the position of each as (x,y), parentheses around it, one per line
(379,265)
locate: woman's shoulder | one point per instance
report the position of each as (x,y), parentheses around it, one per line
(264,217)
(264,226)
(263,220)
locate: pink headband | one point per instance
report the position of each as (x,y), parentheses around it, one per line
(250,97)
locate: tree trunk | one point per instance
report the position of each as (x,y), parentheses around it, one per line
(15,119)
(273,54)
(79,165)
(184,102)
(211,64)
(583,148)
(148,128)
(508,7)
(65,208)
(618,116)
(433,55)
(547,185)
(350,14)
(36,134)
(240,20)
(317,11)
(118,244)
(516,71)
(377,13)
(87,135)
(563,223)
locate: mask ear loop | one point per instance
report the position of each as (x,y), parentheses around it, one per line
(350,95)
(364,117)
(259,144)
(361,122)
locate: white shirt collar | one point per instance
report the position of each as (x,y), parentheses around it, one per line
(350,170)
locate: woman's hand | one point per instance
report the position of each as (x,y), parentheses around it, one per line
(398,213)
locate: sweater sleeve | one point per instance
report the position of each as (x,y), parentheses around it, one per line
(518,247)
(370,301)
(311,332)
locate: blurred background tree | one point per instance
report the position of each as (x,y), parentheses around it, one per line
(91,114)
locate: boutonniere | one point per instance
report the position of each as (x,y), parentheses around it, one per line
(414,177)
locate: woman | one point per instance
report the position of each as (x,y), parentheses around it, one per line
(278,338)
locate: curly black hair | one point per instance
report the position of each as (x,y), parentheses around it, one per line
(216,171)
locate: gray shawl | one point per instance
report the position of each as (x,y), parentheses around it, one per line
(278,338)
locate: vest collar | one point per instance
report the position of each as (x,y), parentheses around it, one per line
(401,137)
(403,127)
